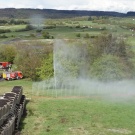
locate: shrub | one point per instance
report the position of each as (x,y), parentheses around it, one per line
(78,26)
(108,68)
(29,27)
(4,30)
(3,36)
(50,27)
(78,35)
(86,35)
(29,57)
(32,35)
(39,30)
(45,71)
(46,35)
(8,53)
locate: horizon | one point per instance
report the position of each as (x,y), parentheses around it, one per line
(69,10)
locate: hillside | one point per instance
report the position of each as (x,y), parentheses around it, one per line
(51,13)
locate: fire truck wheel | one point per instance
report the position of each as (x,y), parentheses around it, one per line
(18,78)
(9,79)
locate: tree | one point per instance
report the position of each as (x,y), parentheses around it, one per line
(107,52)
(108,44)
(108,68)
(28,60)
(29,27)
(86,35)
(29,57)
(90,18)
(8,53)
(45,71)
(78,35)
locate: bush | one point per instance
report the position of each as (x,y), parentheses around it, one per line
(27,28)
(78,26)
(4,30)
(108,68)
(17,22)
(29,57)
(46,35)
(39,30)
(86,35)
(3,36)
(46,69)
(50,27)
(8,53)
(32,35)
(29,64)
(78,35)
(107,44)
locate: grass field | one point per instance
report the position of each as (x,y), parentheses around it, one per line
(13,27)
(73,115)
(6,86)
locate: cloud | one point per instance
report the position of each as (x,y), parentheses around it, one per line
(104,5)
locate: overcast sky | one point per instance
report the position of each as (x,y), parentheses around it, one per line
(102,5)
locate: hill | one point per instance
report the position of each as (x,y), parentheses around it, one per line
(52,13)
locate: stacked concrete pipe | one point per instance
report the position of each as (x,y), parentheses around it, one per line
(12,106)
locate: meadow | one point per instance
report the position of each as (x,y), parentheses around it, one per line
(73,115)
(70,28)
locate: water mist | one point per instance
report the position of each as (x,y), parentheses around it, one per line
(70,77)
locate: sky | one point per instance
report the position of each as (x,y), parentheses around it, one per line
(100,5)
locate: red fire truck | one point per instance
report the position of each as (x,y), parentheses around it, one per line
(12,75)
(5,65)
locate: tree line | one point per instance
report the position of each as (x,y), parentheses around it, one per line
(52,13)
(12,22)
(105,57)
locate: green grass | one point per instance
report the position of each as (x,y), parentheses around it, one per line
(64,30)
(6,86)
(127,20)
(78,117)
(131,40)
(13,27)
(73,116)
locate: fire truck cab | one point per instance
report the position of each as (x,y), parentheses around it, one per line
(5,65)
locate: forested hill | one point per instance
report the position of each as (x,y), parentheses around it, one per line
(51,13)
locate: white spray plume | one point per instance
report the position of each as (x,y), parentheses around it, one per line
(37,21)
(65,83)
